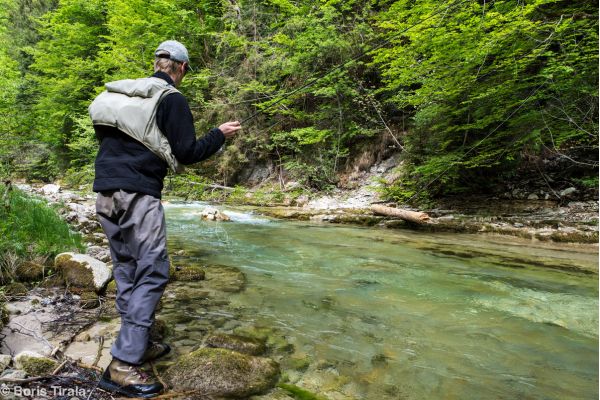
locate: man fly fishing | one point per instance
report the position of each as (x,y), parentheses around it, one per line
(144,127)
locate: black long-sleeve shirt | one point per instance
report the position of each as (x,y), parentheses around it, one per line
(124,163)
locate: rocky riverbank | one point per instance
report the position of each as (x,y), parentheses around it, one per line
(69,319)
(529,211)
(576,222)
(58,330)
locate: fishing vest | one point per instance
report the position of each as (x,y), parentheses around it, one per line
(130,105)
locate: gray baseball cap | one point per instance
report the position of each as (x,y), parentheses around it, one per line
(173,50)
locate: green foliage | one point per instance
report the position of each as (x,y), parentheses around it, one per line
(28,227)
(473,88)
(499,80)
(590,182)
(79,177)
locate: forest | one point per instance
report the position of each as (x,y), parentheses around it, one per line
(471,93)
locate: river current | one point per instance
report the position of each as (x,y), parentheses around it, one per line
(395,314)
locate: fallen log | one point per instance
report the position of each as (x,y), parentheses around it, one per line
(211,186)
(411,216)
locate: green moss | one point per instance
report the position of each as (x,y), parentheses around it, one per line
(29,271)
(35,366)
(15,289)
(159,330)
(261,333)
(74,273)
(105,318)
(111,288)
(223,373)
(242,344)
(299,364)
(189,273)
(89,299)
(299,393)
(53,281)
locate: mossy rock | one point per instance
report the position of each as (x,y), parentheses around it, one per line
(297,362)
(53,281)
(159,330)
(89,300)
(111,288)
(190,273)
(15,289)
(222,373)
(279,344)
(73,272)
(35,364)
(257,332)
(29,271)
(274,341)
(241,344)
(83,271)
(225,278)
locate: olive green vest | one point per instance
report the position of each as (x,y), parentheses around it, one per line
(130,105)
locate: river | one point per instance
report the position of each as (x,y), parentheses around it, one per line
(384,314)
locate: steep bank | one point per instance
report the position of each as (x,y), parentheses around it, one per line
(529,209)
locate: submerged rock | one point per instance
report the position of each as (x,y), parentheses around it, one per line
(225,278)
(189,273)
(222,373)
(237,343)
(83,271)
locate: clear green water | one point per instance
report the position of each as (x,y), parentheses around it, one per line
(390,314)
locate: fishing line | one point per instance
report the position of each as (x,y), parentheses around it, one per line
(359,56)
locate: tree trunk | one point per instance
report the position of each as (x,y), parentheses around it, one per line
(411,216)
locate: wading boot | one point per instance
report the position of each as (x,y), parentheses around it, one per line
(129,380)
(156,350)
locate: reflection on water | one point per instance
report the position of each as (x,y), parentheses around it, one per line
(386,314)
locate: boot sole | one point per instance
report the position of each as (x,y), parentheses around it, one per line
(112,387)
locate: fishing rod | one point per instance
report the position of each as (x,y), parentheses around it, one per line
(355,58)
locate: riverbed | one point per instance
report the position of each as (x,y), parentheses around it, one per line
(370,313)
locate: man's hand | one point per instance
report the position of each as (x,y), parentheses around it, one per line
(230,128)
